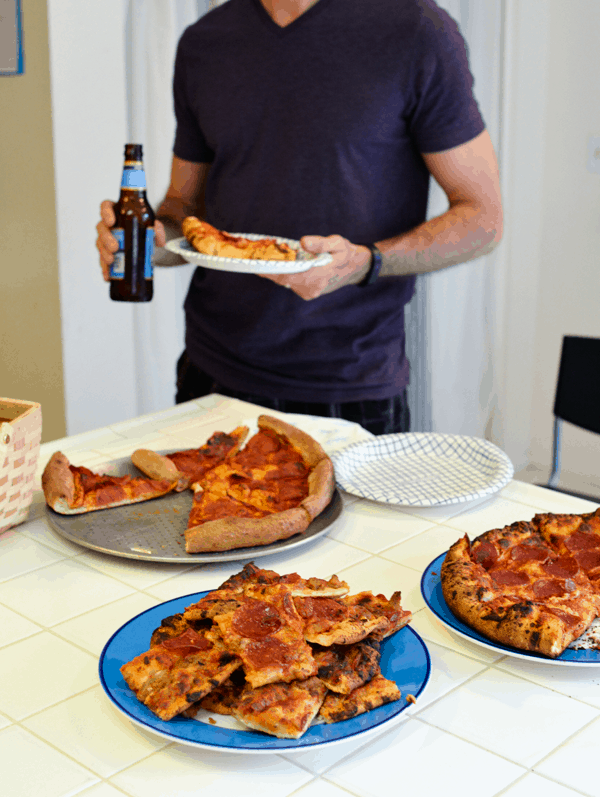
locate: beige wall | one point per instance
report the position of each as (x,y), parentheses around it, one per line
(30,333)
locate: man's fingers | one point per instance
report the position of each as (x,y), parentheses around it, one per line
(107,213)
(316,244)
(159,233)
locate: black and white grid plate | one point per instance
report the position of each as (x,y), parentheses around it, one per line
(422,469)
(304,260)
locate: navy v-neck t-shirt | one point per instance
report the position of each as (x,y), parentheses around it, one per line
(316,128)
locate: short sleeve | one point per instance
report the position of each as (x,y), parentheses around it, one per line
(444,112)
(190,143)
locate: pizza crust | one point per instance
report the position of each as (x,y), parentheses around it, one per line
(239,532)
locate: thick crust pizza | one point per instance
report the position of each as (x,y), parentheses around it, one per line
(243,496)
(246,650)
(209,241)
(532,585)
(271,489)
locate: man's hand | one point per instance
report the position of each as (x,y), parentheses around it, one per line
(106,243)
(349,266)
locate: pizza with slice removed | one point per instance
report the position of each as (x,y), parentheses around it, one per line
(269,490)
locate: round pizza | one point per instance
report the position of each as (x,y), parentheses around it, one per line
(243,496)
(532,585)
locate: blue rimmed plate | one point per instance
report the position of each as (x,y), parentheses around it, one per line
(404,659)
(431,589)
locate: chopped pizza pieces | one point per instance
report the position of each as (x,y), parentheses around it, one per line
(247,649)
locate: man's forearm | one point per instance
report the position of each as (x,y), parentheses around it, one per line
(461,233)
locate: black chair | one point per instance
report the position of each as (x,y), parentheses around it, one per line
(577,398)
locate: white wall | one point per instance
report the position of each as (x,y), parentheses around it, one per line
(87,66)
(567,300)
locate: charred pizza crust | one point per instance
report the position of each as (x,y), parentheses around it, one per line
(65,491)
(516,587)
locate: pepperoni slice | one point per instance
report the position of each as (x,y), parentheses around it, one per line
(256,619)
(529,553)
(546,588)
(509,578)
(563,567)
(187,643)
(582,541)
(588,559)
(484,554)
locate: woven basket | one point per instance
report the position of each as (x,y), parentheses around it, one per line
(20,437)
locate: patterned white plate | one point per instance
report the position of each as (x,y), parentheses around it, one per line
(422,469)
(304,260)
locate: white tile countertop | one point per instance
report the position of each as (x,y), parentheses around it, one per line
(487,723)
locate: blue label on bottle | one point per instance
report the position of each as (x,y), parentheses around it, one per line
(148,272)
(117,269)
(133,178)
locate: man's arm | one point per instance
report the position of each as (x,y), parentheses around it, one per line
(471,227)
(184,197)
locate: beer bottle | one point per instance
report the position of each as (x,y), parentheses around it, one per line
(131,270)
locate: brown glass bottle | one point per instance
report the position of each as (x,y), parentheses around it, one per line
(131,270)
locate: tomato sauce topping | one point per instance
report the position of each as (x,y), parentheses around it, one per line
(269,652)
(256,619)
(321,609)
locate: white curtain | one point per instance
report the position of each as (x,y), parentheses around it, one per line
(152,32)
(452,335)
(452,322)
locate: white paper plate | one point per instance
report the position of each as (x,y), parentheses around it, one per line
(422,469)
(304,260)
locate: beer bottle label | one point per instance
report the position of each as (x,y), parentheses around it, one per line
(134,176)
(148,273)
(117,268)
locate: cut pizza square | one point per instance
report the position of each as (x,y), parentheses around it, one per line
(284,710)
(377,692)
(343,668)
(183,669)
(266,632)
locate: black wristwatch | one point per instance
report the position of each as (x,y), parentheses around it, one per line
(374,268)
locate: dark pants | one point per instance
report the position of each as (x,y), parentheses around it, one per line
(379,416)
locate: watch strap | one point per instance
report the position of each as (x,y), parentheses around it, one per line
(375,267)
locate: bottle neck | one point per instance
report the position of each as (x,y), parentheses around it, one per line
(134,176)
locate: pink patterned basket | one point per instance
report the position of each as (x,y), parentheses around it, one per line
(20,437)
